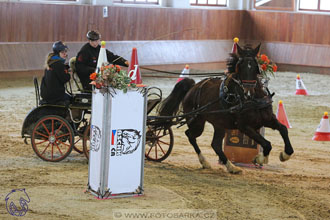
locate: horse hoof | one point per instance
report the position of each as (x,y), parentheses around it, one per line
(231,168)
(260,159)
(284,156)
(204,162)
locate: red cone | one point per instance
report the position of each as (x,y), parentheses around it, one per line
(134,70)
(323,130)
(234,49)
(184,73)
(300,87)
(281,115)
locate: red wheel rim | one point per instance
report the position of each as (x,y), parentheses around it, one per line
(159,144)
(52,138)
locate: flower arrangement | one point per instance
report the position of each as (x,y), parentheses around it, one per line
(266,65)
(111,75)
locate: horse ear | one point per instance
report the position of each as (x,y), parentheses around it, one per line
(256,50)
(240,51)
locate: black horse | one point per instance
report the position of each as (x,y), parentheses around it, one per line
(240,101)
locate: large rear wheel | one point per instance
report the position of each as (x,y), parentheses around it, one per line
(52,138)
(159,143)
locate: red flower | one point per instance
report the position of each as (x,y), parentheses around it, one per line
(274,68)
(118,68)
(263,66)
(264,58)
(93,76)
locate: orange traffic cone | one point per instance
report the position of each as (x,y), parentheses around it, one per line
(234,49)
(281,115)
(133,69)
(300,87)
(323,130)
(184,73)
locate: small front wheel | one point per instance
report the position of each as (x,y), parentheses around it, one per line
(159,143)
(52,138)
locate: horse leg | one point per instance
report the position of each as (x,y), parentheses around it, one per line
(218,136)
(195,129)
(266,145)
(288,150)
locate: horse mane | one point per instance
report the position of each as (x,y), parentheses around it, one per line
(231,62)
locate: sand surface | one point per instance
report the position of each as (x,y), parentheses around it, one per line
(296,189)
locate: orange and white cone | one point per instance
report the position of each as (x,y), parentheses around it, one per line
(133,69)
(323,130)
(281,115)
(234,49)
(184,73)
(300,87)
(102,57)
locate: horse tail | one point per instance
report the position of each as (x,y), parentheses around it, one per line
(170,105)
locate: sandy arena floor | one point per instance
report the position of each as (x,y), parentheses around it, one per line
(296,189)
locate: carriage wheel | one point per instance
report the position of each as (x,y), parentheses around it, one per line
(159,144)
(86,141)
(52,138)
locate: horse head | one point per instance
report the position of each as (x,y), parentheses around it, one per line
(247,68)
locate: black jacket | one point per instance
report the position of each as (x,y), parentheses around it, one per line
(87,60)
(52,84)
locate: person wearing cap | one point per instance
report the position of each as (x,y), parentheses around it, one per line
(52,88)
(87,57)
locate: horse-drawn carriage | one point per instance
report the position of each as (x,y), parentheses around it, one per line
(240,101)
(57,129)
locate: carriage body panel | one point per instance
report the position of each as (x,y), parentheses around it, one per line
(38,112)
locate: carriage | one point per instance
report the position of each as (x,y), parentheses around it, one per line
(56,130)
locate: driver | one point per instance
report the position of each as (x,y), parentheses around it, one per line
(52,88)
(87,59)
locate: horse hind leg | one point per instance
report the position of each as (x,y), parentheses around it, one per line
(218,136)
(195,129)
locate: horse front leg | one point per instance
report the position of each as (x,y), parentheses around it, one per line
(195,129)
(261,158)
(288,150)
(218,136)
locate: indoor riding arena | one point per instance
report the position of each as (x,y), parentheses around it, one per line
(174,40)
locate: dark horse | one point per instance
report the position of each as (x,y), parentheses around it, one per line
(240,101)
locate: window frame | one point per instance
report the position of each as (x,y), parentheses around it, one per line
(292,8)
(313,10)
(135,2)
(209,5)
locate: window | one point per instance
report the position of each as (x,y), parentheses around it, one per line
(137,1)
(314,5)
(209,2)
(285,5)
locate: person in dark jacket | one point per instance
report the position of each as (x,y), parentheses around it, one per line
(87,57)
(56,75)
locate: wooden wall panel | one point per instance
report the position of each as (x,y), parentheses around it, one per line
(289,27)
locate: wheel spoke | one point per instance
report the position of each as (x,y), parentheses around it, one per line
(45,149)
(63,143)
(161,148)
(52,151)
(67,134)
(58,148)
(156,152)
(52,126)
(149,150)
(42,142)
(44,135)
(59,128)
(163,142)
(43,124)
